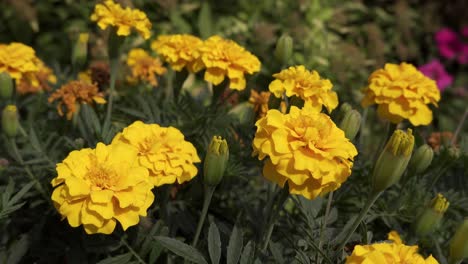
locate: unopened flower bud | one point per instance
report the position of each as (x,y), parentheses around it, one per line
(243,113)
(345,107)
(10,120)
(422,158)
(215,161)
(80,51)
(284,49)
(459,243)
(432,215)
(393,160)
(453,153)
(351,123)
(6,85)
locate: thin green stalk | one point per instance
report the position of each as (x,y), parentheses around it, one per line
(209,190)
(284,194)
(140,260)
(324,224)
(114,67)
(372,198)
(459,127)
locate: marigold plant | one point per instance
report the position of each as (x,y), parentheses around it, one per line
(225,58)
(144,67)
(180,51)
(17,59)
(163,151)
(98,187)
(36,81)
(74,93)
(402,92)
(124,19)
(394,252)
(308,85)
(305,149)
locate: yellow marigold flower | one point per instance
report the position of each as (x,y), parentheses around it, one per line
(402,92)
(17,59)
(162,150)
(76,92)
(37,81)
(222,57)
(85,76)
(306,149)
(180,50)
(393,252)
(260,102)
(144,67)
(308,85)
(124,19)
(98,187)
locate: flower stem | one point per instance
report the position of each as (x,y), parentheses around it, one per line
(132,251)
(273,215)
(114,67)
(209,190)
(459,127)
(372,198)
(324,224)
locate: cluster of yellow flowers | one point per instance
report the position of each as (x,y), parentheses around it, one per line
(220,57)
(305,149)
(123,19)
(402,92)
(22,64)
(394,252)
(144,67)
(98,187)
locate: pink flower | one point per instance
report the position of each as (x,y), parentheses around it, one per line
(448,43)
(436,71)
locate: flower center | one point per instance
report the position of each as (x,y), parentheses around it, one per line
(146,145)
(101,177)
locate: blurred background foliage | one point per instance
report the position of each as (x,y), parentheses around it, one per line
(343,40)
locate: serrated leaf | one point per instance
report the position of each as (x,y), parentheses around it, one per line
(119,259)
(147,242)
(20,194)
(18,249)
(8,192)
(34,140)
(247,256)
(214,243)
(91,118)
(235,246)
(181,249)
(156,251)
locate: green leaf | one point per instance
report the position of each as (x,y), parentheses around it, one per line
(276,252)
(18,249)
(247,256)
(181,249)
(119,259)
(214,243)
(205,21)
(91,118)
(235,246)
(20,194)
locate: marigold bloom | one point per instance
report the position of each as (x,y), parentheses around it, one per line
(40,80)
(98,187)
(163,151)
(306,149)
(17,59)
(76,92)
(394,252)
(260,102)
(144,67)
(308,85)
(180,50)
(402,92)
(222,57)
(124,19)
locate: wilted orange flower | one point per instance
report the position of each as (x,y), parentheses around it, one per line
(40,80)
(124,19)
(260,102)
(162,150)
(308,85)
(394,252)
(222,57)
(17,59)
(74,93)
(180,50)
(144,67)
(306,149)
(438,139)
(98,187)
(402,92)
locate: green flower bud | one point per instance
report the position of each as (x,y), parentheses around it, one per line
(422,158)
(80,51)
(432,215)
(459,243)
(393,160)
(243,112)
(453,153)
(351,123)
(284,49)
(344,108)
(216,160)
(10,120)
(6,85)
